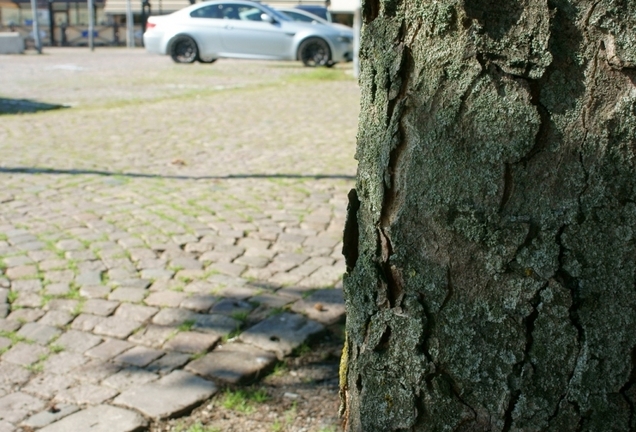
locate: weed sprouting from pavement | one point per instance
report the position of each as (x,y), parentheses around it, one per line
(186,326)
(243,400)
(197,427)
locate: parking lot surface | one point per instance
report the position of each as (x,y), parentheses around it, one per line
(175,228)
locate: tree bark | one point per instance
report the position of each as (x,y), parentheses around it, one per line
(491,243)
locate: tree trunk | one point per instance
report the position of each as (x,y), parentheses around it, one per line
(491,243)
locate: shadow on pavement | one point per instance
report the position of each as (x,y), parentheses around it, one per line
(20,106)
(53,171)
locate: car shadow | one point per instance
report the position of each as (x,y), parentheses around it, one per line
(23,106)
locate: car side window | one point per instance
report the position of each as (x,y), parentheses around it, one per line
(299,17)
(213,11)
(240,12)
(248,13)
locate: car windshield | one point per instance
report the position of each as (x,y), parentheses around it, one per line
(279,16)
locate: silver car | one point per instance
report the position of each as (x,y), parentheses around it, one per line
(244,29)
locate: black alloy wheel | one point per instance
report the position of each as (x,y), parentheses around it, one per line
(184,50)
(314,52)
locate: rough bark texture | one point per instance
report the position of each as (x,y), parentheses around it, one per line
(491,244)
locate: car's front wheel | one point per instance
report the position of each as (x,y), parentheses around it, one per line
(184,50)
(314,52)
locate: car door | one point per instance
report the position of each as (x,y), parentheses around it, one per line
(247,35)
(206,25)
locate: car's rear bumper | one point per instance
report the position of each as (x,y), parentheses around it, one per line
(154,43)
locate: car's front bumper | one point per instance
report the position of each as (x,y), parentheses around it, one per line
(342,51)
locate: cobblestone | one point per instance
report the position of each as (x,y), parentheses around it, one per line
(233,363)
(24,354)
(281,333)
(138,356)
(63,362)
(192,342)
(134,262)
(15,407)
(171,395)
(47,386)
(100,307)
(101,418)
(116,327)
(85,394)
(128,377)
(49,416)
(109,349)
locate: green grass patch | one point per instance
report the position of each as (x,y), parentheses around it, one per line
(287,421)
(301,350)
(243,400)
(275,311)
(280,369)
(197,427)
(198,355)
(14,337)
(234,333)
(186,326)
(240,316)
(56,348)
(12,296)
(35,367)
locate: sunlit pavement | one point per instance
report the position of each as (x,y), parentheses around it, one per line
(177,227)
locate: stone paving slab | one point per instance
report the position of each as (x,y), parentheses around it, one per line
(325,306)
(83,394)
(172,395)
(281,333)
(121,268)
(192,342)
(15,407)
(49,416)
(233,363)
(101,418)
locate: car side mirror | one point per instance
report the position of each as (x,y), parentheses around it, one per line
(267,18)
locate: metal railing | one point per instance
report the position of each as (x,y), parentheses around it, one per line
(76,35)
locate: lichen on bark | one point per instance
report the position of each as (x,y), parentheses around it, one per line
(493,285)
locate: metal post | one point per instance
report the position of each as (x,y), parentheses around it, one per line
(145,13)
(36,27)
(357,26)
(130,29)
(51,23)
(91,25)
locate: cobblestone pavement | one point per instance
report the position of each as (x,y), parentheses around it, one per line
(176,229)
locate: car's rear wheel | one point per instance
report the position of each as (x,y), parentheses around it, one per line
(184,50)
(314,52)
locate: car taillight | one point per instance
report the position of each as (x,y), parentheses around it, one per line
(150,25)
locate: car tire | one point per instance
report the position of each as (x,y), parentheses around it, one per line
(314,52)
(183,49)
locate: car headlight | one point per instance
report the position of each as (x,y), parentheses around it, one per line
(345,39)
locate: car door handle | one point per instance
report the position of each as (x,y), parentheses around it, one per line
(229,27)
